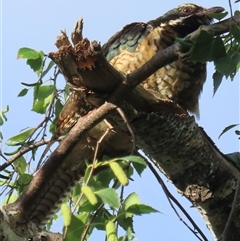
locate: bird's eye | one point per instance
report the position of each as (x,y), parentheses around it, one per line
(187,10)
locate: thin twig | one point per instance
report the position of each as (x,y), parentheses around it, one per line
(47,148)
(65,233)
(48,116)
(85,232)
(231,13)
(37,127)
(231,215)
(92,168)
(97,147)
(126,122)
(230,6)
(3,156)
(170,196)
(94,216)
(21,152)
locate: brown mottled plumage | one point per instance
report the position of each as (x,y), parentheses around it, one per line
(136,43)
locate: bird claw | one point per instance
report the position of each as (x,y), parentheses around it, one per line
(182,56)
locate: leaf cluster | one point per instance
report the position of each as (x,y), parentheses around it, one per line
(100,206)
(223,51)
(48,100)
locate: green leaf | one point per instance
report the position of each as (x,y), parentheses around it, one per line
(33,152)
(36,64)
(235,31)
(13,152)
(128,236)
(217,80)
(48,99)
(50,65)
(126,223)
(139,209)
(207,48)
(131,206)
(76,192)
(34,58)
(135,159)
(10,199)
(52,127)
(58,107)
(105,177)
(23,181)
(86,206)
(218,49)
(125,219)
(131,199)
(20,165)
(38,107)
(20,137)
(202,49)
(95,183)
(3,116)
(109,196)
(227,129)
(228,65)
(27,53)
(43,91)
(138,163)
(100,220)
(76,227)
(184,42)
(4,181)
(23,92)
(43,95)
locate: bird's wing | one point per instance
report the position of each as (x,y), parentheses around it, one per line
(126,39)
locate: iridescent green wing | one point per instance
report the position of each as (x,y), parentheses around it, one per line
(126,39)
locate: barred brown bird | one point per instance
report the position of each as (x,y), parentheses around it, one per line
(180,81)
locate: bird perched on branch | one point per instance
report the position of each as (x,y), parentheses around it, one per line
(135,44)
(180,81)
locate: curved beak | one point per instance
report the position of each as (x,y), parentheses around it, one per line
(210,10)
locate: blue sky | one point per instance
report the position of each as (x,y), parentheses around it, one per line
(36,24)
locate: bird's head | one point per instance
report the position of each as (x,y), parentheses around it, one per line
(186,18)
